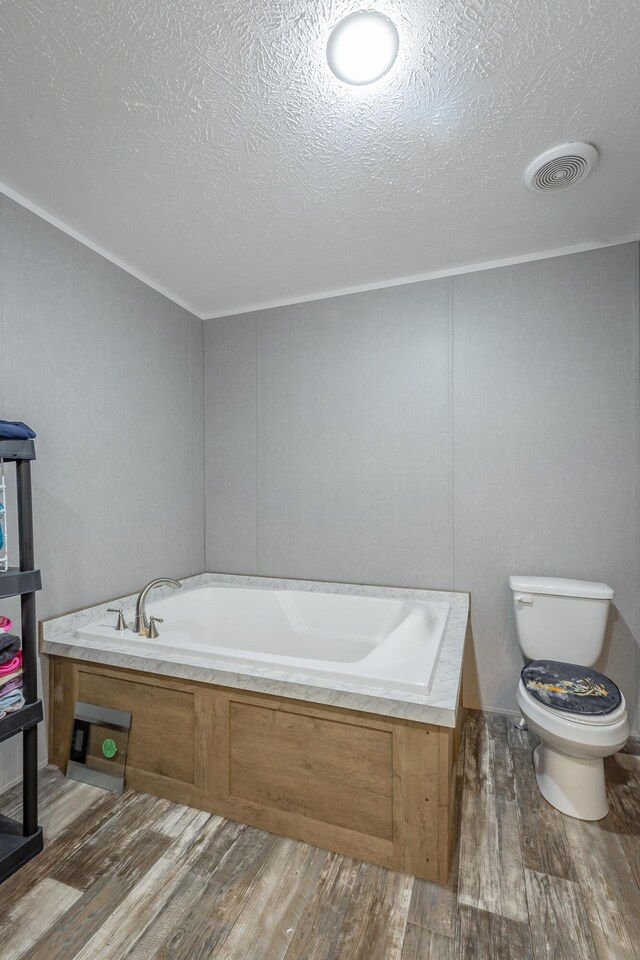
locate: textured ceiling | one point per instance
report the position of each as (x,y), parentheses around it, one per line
(206,144)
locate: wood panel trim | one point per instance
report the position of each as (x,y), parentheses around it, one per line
(306,707)
(334,771)
(63,693)
(416,782)
(351,843)
(420,763)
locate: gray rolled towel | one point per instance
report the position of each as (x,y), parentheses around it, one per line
(9,646)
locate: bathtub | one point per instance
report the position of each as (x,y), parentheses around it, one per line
(325,712)
(383,643)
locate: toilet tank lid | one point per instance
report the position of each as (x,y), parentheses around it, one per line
(559,587)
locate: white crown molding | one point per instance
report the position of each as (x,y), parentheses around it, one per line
(81,238)
(324,295)
(433,275)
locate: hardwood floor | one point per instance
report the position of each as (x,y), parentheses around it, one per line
(139,878)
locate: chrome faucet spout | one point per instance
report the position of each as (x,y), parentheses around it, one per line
(141,623)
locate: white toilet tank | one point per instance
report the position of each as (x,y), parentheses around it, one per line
(560,619)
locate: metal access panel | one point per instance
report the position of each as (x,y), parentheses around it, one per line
(99,746)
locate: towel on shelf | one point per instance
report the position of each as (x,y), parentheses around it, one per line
(9,647)
(11,677)
(8,677)
(15,430)
(13,708)
(5,624)
(11,665)
(15,685)
(12,702)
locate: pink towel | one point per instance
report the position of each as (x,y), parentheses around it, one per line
(5,624)
(11,665)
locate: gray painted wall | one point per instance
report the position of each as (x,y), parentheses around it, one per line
(545,401)
(110,375)
(441,434)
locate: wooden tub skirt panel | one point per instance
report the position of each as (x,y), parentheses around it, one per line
(367,786)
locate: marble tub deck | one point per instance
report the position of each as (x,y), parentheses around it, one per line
(438,707)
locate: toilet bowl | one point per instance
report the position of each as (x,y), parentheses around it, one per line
(569,760)
(580,715)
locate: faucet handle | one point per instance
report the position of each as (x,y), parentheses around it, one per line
(122,623)
(153,630)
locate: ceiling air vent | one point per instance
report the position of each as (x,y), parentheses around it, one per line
(561,167)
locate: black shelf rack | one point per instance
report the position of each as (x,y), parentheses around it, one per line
(22,840)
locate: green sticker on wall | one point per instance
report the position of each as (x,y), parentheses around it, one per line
(109,748)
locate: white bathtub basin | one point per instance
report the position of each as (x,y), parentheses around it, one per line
(383,643)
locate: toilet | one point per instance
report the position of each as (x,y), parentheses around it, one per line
(578,713)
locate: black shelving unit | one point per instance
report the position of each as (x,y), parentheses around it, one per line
(22,840)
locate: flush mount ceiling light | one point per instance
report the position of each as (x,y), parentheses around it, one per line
(363,47)
(561,167)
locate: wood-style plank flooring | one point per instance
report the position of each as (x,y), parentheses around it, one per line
(138,878)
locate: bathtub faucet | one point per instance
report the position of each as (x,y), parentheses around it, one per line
(141,623)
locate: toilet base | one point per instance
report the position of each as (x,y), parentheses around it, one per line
(573,785)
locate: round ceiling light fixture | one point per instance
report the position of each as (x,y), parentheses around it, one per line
(363,47)
(561,167)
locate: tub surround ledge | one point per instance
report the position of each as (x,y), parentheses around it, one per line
(439,707)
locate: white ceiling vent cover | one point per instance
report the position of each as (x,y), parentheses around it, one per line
(561,167)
